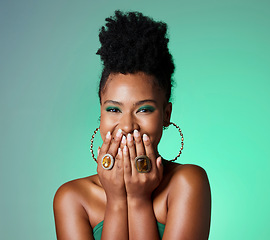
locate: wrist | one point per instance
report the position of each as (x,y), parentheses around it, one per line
(117,204)
(133,201)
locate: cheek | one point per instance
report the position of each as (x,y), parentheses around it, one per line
(104,127)
(157,138)
(154,130)
(106,124)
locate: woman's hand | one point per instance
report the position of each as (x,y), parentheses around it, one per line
(140,185)
(112,180)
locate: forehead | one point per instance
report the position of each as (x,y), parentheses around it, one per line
(132,88)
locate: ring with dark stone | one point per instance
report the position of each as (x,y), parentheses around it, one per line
(143,164)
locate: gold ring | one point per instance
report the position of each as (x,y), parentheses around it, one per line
(143,164)
(107,161)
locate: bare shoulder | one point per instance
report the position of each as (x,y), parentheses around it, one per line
(75,189)
(189,175)
(189,180)
(189,202)
(73,205)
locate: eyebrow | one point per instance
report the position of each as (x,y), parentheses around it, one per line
(113,102)
(145,101)
(135,104)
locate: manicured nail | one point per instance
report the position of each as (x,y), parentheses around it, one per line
(119,132)
(136,133)
(129,137)
(159,160)
(145,137)
(124,139)
(119,151)
(108,135)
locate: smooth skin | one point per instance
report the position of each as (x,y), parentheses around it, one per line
(133,113)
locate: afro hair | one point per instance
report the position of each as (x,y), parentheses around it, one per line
(132,42)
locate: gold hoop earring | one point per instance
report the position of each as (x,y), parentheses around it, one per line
(182,141)
(91,145)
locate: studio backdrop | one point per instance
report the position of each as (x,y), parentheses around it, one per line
(49,106)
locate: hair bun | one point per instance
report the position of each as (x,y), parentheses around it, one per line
(132,42)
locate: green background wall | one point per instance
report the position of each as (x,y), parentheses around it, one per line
(49,106)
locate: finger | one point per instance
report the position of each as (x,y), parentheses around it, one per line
(115,143)
(103,150)
(110,145)
(123,142)
(131,147)
(118,156)
(159,166)
(150,153)
(106,144)
(127,164)
(139,143)
(118,159)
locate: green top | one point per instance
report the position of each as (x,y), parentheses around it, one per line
(97,231)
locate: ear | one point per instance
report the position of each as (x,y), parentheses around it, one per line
(167,114)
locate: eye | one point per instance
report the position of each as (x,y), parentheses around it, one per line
(146,109)
(113,109)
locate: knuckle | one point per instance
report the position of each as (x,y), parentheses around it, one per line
(109,152)
(119,167)
(153,177)
(140,153)
(144,180)
(130,144)
(136,181)
(116,139)
(147,143)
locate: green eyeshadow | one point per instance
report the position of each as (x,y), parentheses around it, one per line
(148,108)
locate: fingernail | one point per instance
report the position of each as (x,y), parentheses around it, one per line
(119,132)
(129,137)
(124,139)
(119,150)
(125,148)
(159,160)
(145,137)
(136,133)
(108,135)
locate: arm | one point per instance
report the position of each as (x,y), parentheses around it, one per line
(142,221)
(115,221)
(115,224)
(71,220)
(116,213)
(189,205)
(139,187)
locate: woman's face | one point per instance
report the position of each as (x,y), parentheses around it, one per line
(134,101)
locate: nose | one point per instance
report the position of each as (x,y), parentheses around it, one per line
(128,123)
